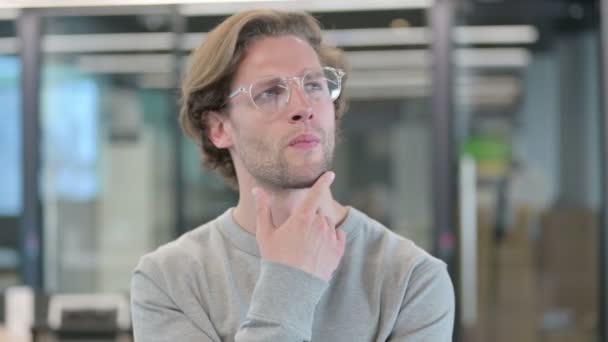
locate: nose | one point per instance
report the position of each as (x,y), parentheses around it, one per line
(299,106)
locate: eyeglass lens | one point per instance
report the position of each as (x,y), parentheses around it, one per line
(271,94)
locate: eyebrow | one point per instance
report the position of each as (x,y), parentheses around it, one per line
(300,73)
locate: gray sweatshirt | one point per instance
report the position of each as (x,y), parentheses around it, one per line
(211,285)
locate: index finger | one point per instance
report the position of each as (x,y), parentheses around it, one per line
(313,198)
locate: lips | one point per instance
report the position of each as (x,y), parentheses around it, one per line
(304,139)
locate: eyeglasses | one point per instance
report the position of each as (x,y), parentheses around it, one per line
(271,94)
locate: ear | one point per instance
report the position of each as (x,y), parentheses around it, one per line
(219,130)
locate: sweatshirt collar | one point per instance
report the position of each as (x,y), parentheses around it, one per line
(246,241)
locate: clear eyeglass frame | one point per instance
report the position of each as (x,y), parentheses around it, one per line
(272,94)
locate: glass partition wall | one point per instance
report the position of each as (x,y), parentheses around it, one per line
(106,116)
(528,130)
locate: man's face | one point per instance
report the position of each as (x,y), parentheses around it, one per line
(293,147)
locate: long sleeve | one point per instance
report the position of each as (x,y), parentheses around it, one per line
(281,309)
(427,312)
(157,318)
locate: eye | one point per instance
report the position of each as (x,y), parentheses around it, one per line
(269,93)
(316,85)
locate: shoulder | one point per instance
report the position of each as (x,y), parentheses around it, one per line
(407,262)
(181,254)
(378,240)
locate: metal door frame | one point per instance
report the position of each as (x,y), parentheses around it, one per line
(603,240)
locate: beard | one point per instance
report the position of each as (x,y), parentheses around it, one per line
(275,166)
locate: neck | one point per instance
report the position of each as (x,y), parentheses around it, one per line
(282,204)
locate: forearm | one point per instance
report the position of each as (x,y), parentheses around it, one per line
(282,305)
(281,309)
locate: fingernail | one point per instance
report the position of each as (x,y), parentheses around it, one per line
(332,175)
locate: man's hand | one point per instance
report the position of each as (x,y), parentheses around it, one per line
(307,240)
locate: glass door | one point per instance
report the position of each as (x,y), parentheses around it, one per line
(528,130)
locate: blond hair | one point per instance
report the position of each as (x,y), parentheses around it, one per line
(213,66)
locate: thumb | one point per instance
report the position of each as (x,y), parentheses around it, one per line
(263,221)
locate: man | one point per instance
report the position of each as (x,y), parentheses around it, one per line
(288,263)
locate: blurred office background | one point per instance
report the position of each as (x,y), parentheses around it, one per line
(475,128)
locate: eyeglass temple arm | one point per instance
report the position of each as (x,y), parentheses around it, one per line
(236,92)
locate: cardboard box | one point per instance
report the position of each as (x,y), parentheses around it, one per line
(568,268)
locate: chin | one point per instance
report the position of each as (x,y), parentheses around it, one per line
(303,184)
(304,181)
